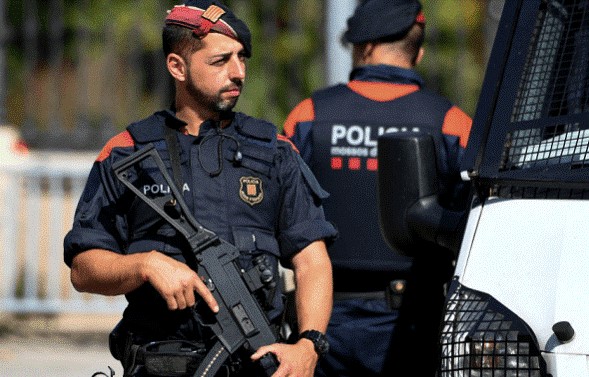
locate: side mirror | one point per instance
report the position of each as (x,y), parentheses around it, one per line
(409,212)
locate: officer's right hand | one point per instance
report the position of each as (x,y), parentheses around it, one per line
(175,282)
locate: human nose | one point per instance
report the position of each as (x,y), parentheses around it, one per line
(237,68)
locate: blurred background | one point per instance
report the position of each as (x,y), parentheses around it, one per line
(75,70)
(73,73)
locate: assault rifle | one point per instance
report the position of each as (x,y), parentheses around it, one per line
(240,322)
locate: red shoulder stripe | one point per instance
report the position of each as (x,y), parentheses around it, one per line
(303,112)
(123,139)
(457,123)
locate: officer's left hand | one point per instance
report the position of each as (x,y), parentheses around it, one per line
(296,360)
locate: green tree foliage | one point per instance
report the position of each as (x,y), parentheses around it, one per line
(455,57)
(288,60)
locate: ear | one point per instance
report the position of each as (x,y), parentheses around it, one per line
(177,66)
(419,56)
(362,53)
(368,51)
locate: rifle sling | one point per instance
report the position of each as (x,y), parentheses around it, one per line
(174,149)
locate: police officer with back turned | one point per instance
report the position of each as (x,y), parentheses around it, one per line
(239,179)
(387,307)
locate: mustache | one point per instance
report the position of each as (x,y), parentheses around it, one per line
(236,85)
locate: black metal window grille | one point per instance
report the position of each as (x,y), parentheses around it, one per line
(482,338)
(552,145)
(538,146)
(537,71)
(555,79)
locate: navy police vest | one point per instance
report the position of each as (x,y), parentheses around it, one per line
(212,200)
(344,159)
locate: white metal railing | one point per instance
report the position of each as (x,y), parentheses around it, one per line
(38,197)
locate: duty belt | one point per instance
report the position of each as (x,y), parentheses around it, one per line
(393,294)
(373,295)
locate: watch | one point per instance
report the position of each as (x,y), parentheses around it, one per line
(319,341)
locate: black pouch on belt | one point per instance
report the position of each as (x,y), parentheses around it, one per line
(117,340)
(172,357)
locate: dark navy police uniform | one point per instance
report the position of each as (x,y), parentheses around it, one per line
(387,306)
(264,202)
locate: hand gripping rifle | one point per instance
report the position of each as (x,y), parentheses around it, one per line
(240,322)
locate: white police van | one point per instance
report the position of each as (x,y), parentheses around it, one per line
(518,304)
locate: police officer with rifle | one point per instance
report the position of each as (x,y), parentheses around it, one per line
(188,214)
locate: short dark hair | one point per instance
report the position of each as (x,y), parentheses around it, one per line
(410,43)
(179,40)
(414,40)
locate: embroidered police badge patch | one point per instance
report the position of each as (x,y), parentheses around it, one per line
(251,190)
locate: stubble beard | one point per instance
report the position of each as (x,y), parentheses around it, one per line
(213,103)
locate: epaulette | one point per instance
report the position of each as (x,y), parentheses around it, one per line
(121,140)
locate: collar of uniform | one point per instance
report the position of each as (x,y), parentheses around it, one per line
(171,119)
(257,129)
(225,122)
(386,73)
(154,129)
(207,126)
(246,125)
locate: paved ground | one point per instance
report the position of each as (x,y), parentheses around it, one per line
(34,347)
(54,357)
